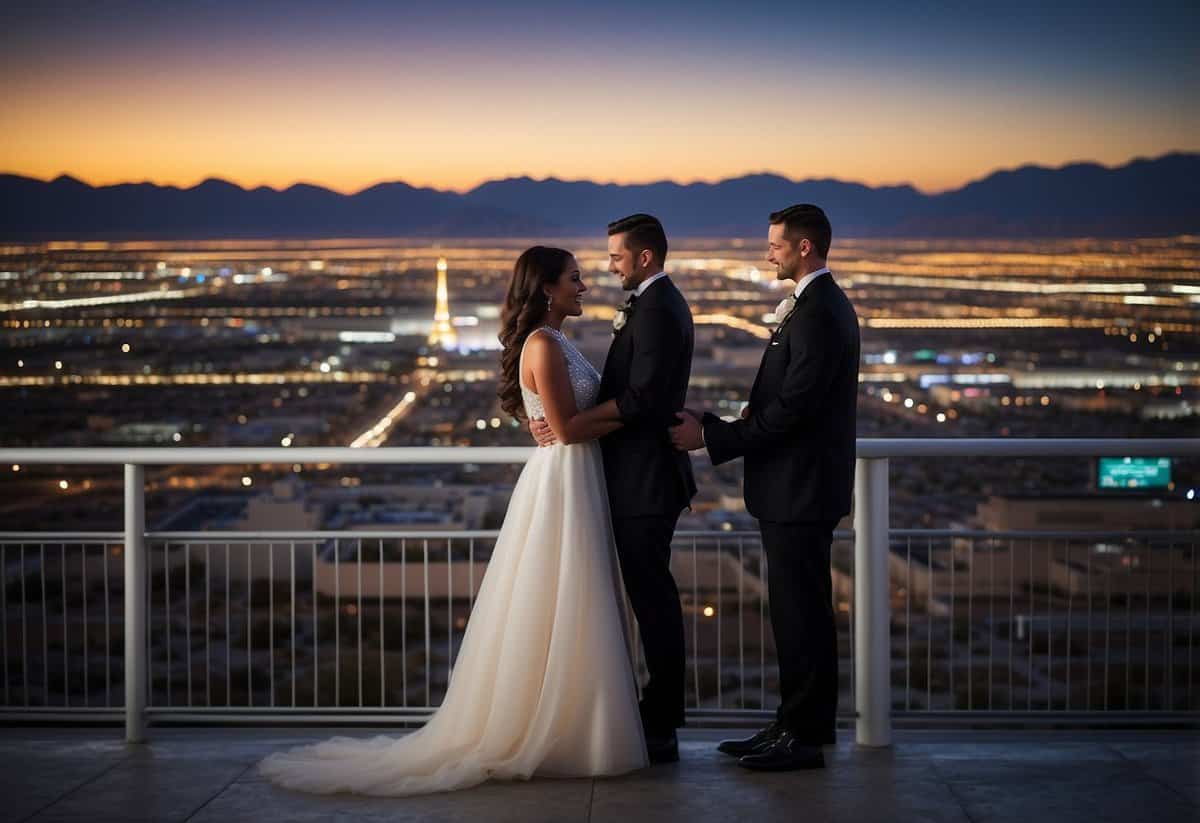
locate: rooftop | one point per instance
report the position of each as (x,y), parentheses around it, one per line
(187,774)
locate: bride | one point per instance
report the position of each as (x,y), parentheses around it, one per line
(543,683)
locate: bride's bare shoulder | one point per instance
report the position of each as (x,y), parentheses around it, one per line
(540,344)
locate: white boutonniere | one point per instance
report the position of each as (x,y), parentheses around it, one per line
(784,308)
(619,320)
(621,317)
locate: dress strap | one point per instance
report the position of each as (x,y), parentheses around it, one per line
(554,334)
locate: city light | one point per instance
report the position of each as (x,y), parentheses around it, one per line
(709,611)
(377,434)
(246,480)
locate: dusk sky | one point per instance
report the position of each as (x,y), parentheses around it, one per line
(451,94)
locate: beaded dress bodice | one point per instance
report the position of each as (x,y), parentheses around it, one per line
(585,380)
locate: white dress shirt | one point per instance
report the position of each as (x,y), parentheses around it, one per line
(808,278)
(645,284)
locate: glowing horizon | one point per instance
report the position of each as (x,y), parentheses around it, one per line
(359,187)
(282,93)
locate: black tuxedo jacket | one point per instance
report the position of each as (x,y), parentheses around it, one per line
(646,372)
(799,438)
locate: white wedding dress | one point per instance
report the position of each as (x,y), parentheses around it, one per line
(543,683)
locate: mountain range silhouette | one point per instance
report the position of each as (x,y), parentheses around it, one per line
(1145,197)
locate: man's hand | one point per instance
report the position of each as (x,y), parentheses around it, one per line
(687,435)
(746,412)
(542,433)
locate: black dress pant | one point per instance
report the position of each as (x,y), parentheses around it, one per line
(800,586)
(644,551)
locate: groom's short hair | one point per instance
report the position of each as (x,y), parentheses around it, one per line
(642,231)
(805,221)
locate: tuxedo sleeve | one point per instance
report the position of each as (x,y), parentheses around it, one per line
(657,350)
(815,353)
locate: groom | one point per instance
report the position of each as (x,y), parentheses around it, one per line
(649,482)
(797,437)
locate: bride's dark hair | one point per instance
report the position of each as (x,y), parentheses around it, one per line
(524,310)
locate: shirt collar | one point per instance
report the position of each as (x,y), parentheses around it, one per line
(645,284)
(808,278)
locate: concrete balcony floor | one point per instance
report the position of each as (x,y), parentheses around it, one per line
(207,774)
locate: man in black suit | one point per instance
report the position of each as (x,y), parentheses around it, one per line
(797,436)
(649,482)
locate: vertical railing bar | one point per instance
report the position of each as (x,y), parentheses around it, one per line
(66,671)
(137,595)
(404,622)
(1107,630)
(695,624)
(741,625)
(207,624)
(1070,616)
(358,619)
(228,633)
(953,633)
(1012,618)
(450,604)
(1049,624)
(108,638)
(1087,658)
(271,620)
(316,634)
(25,631)
(382,655)
(428,631)
(970,623)
(249,627)
(4,618)
(46,638)
(292,599)
(1146,667)
(471,575)
(929,624)
(87,680)
(1032,603)
(872,550)
(147,547)
(337,622)
(1169,643)
(991,623)
(167,616)
(720,615)
(1128,633)
(187,623)
(908,623)
(1192,622)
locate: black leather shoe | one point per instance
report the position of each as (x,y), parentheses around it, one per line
(784,754)
(663,748)
(738,748)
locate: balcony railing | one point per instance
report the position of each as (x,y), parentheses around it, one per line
(364,626)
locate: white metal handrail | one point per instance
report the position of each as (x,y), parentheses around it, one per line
(868,448)
(871,529)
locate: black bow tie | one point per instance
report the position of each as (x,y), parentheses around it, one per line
(630,300)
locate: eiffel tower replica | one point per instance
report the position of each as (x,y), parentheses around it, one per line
(442,334)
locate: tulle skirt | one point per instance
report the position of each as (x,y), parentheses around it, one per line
(543,683)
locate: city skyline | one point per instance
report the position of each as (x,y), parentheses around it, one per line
(932,96)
